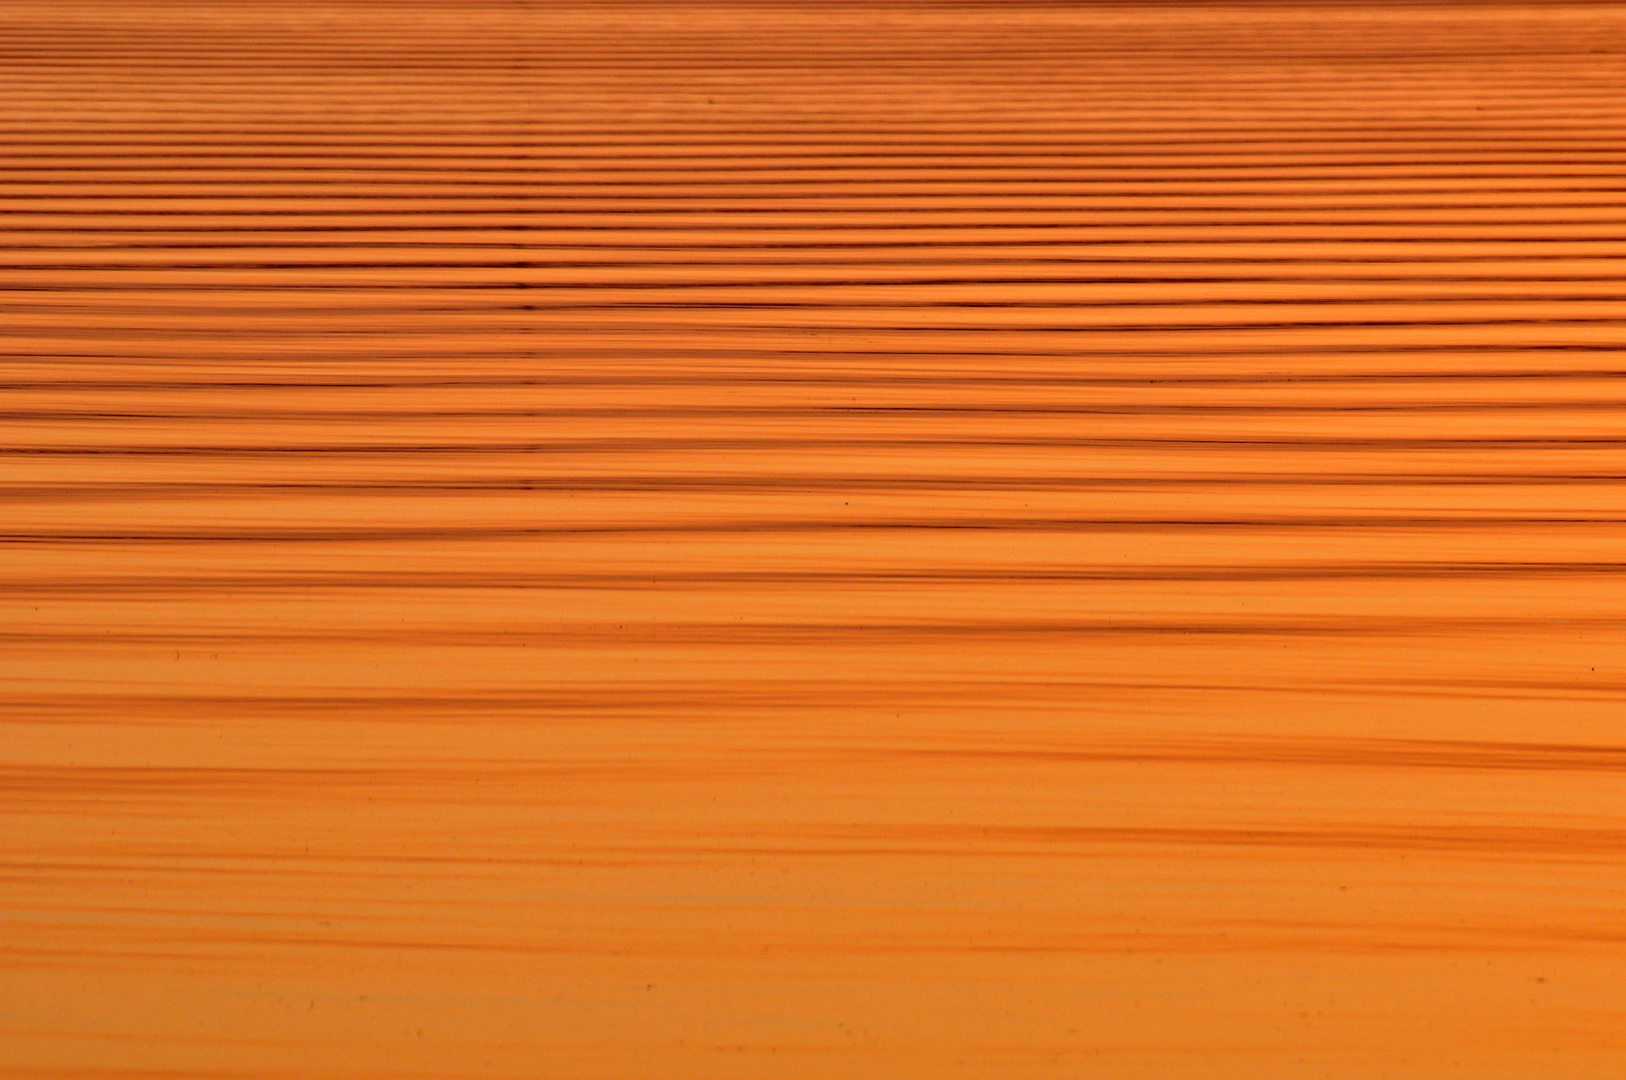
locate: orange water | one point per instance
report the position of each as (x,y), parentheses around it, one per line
(772,540)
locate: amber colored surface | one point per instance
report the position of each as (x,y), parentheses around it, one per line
(777,540)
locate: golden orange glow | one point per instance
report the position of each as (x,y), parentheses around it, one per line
(626,540)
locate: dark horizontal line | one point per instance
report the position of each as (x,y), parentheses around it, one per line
(1320,268)
(538,293)
(518,208)
(536,300)
(1558,842)
(225,67)
(340,326)
(870,377)
(633,444)
(188,582)
(545,168)
(458,202)
(820,361)
(138,491)
(791,412)
(822,633)
(1146,276)
(759,526)
(531,238)
(71,782)
(537,133)
(658,181)
(340,316)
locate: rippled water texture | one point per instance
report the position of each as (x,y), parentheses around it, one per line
(804,540)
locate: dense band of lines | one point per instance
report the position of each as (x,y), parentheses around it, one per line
(470,472)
